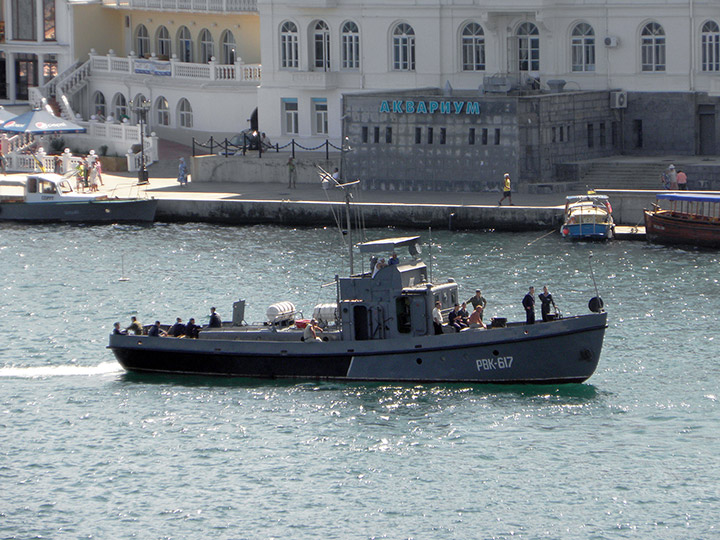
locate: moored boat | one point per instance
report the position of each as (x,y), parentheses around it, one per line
(691,219)
(379,329)
(49,197)
(588,216)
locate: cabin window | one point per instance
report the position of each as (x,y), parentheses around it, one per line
(402,308)
(47,187)
(32,185)
(360,316)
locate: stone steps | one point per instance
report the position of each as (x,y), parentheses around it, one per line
(622,175)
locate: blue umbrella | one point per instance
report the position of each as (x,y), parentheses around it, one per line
(39,122)
(6,115)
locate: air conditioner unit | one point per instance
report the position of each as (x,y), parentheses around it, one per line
(618,100)
(612,41)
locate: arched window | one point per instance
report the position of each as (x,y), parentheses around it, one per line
(185,114)
(321,41)
(710,46)
(207,46)
(99,104)
(652,46)
(162,111)
(528,47)
(185,48)
(119,107)
(403,48)
(350,46)
(473,47)
(288,45)
(164,44)
(229,47)
(583,48)
(142,41)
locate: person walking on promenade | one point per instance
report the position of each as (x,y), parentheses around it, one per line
(182,172)
(507,190)
(528,303)
(292,172)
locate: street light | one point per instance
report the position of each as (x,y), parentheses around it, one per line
(140,107)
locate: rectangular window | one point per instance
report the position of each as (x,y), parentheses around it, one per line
(590,135)
(614,134)
(637,133)
(497,136)
(23,14)
(376,134)
(471,136)
(562,133)
(388,135)
(290,115)
(365,134)
(443,135)
(484,136)
(418,135)
(49,20)
(568,132)
(430,135)
(602,135)
(320,116)
(554,133)
(350,50)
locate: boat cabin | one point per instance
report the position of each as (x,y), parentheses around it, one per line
(394,301)
(47,188)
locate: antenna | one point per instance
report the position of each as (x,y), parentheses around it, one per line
(592,274)
(122,269)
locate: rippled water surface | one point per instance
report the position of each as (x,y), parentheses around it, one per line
(89,451)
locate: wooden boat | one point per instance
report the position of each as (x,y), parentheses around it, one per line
(49,197)
(691,219)
(588,217)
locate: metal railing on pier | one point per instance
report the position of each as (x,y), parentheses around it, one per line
(227,148)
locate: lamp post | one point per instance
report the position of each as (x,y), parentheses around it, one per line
(140,106)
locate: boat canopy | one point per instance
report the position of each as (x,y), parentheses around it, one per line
(391,244)
(587,197)
(689,197)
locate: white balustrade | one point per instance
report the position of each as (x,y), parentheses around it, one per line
(217,6)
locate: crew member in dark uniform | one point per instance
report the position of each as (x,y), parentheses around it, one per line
(177,329)
(215,321)
(546,300)
(191,329)
(529,304)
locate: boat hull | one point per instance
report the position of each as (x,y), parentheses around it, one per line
(562,351)
(666,229)
(99,211)
(590,231)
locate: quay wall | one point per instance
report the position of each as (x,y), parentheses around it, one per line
(317,213)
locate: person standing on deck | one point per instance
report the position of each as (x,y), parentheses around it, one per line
(528,303)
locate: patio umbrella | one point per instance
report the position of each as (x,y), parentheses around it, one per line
(6,115)
(40,122)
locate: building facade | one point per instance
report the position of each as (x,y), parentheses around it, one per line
(216,67)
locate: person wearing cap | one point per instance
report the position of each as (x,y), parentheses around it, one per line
(478,300)
(311,331)
(507,191)
(669,177)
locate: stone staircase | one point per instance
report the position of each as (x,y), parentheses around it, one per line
(622,175)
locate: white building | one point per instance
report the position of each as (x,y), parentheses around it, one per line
(206,66)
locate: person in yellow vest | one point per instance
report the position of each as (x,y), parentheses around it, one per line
(507,191)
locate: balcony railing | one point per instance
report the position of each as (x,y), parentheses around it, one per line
(208,6)
(211,71)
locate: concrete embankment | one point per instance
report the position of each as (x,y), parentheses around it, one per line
(314,213)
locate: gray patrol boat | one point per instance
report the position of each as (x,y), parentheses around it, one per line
(380,329)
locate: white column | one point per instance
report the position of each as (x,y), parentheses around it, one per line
(10,74)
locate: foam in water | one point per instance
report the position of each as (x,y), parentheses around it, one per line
(36,372)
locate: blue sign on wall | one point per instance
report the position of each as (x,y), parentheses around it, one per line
(401,106)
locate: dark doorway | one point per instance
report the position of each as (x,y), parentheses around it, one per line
(26,75)
(360,317)
(637,134)
(254,121)
(706,121)
(3,78)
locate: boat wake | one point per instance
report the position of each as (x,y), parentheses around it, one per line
(38,372)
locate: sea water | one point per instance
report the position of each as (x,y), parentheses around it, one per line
(89,451)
